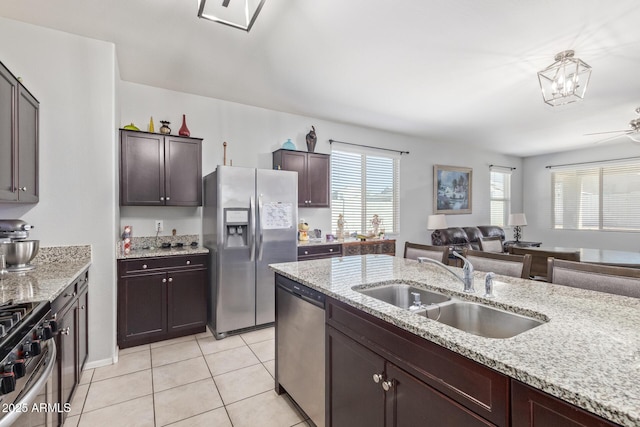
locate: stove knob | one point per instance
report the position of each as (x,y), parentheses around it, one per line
(25,351)
(54,326)
(36,347)
(19,368)
(7,380)
(47,332)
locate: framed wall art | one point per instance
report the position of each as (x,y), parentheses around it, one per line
(452,189)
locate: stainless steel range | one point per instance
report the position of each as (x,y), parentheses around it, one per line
(28,355)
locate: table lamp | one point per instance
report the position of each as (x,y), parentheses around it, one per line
(517,221)
(435,222)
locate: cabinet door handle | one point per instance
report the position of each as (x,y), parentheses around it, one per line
(162,199)
(82,307)
(24,189)
(188,262)
(144,266)
(164,280)
(65,331)
(377,378)
(331,250)
(170,279)
(387,385)
(306,252)
(168,198)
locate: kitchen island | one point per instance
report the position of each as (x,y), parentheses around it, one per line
(586,353)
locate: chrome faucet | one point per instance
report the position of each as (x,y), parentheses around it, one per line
(467,271)
(488,285)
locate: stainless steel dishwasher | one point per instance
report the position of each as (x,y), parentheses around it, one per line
(300,336)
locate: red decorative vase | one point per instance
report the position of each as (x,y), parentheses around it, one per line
(184,130)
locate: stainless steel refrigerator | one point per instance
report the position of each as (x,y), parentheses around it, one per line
(249,221)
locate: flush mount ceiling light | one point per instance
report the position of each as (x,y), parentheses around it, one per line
(239,14)
(565,80)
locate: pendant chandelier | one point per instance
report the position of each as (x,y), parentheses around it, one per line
(239,14)
(565,80)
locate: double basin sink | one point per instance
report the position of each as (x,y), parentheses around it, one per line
(474,318)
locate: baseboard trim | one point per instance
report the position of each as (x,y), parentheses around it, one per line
(100,363)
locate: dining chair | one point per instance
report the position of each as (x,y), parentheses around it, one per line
(595,277)
(491,244)
(539,265)
(505,264)
(415,250)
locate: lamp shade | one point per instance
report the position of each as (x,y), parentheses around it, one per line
(436,222)
(517,219)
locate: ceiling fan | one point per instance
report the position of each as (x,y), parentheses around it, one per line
(633,133)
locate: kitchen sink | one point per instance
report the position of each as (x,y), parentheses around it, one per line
(480,319)
(400,294)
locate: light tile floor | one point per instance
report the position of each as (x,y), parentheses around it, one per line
(188,382)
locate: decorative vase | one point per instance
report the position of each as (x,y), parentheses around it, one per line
(312,138)
(289,145)
(165,129)
(184,130)
(152,128)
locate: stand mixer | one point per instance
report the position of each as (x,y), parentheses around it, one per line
(15,246)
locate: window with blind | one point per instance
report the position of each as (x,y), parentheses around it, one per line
(363,185)
(604,197)
(500,194)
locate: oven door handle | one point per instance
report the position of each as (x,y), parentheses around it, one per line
(30,396)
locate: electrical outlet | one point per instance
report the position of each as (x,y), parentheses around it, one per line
(159,225)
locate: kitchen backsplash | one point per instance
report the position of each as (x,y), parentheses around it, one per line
(153,242)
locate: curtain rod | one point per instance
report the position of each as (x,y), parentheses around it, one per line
(591,163)
(331,141)
(504,167)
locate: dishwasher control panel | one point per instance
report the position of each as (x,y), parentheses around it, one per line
(304,292)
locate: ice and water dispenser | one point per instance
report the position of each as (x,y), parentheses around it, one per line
(236,227)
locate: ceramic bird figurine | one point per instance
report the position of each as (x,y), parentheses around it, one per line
(311,140)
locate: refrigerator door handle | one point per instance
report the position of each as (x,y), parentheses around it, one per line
(261,235)
(252,235)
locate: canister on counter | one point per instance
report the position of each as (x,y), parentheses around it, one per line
(126,240)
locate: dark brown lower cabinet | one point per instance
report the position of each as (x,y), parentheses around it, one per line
(533,408)
(365,389)
(354,398)
(161,298)
(381,375)
(70,310)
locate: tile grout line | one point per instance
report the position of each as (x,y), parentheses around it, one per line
(203,355)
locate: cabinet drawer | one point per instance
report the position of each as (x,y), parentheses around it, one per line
(319,251)
(141,265)
(70,293)
(476,387)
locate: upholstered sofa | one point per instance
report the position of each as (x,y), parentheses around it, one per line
(459,238)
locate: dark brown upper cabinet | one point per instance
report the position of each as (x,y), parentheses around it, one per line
(19,138)
(313,175)
(160,170)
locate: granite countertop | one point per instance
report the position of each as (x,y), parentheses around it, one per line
(56,268)
(149,246)
(319,242)
(588,352)
(156,252)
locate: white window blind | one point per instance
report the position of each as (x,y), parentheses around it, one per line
(603,197)
(362,185)
(500,192)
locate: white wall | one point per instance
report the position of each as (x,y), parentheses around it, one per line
(537,202)
(253,133)
(74,80)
